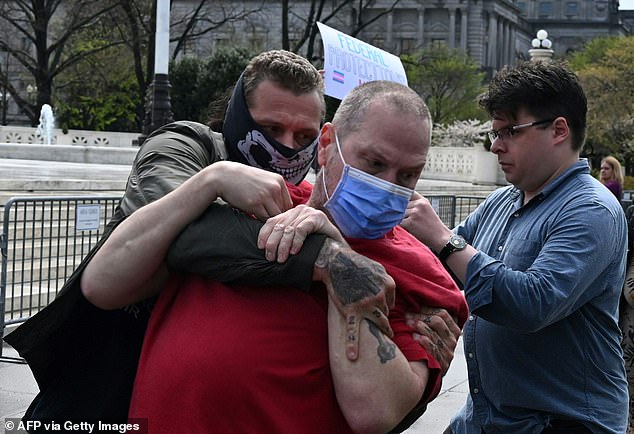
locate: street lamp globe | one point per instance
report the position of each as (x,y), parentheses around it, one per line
(541,50)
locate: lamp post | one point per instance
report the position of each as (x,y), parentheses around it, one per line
(541,50)
(31,92)
(3,96)
(158,108)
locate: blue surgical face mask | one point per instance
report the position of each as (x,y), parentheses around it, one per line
(364,206)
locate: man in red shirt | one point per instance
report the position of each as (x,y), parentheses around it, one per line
(220,358)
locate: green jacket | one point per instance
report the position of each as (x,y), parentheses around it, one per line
(83,358)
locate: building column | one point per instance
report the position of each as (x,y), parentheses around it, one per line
(493,35)
(389,40)
(512,49)
(463,29)
(499,61)
(421,25)
(452,28)
(505,43)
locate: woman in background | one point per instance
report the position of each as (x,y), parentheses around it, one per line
(611,176)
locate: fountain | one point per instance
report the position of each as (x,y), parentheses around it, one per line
(47,122)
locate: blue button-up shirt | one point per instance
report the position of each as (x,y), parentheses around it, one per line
(543,341)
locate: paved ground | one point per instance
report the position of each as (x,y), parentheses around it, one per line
(17,389)
(17,386)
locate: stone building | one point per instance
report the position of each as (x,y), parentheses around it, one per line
(571,23)
(493,32)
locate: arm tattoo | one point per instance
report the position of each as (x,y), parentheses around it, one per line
(354,277)
(386,349)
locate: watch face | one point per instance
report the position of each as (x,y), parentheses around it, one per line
(458,242)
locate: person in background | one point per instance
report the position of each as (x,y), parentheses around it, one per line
(542,262)
(611,176)
(626,318)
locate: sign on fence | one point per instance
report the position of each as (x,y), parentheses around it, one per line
(87,217)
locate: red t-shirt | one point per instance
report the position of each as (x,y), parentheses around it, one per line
(243,359)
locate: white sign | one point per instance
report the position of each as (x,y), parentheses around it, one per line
(87,217)
(435,204)
(349,62)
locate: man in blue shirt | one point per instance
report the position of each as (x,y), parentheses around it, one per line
(542,263)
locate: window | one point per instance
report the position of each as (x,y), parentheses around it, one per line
(408,45)
(522,6)
(377,41)
(545,9)
(572,8)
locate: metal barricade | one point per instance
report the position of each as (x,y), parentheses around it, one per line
(465,206)
(453,209)
(43,240)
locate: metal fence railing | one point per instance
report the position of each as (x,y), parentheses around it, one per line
(453,209)
(43,239)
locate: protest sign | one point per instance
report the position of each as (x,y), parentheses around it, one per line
(349,62)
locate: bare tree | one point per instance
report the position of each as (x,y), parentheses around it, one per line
(37,34)
(135,23)
(203,20)
(358,9)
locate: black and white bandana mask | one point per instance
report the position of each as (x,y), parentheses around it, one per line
(247,143)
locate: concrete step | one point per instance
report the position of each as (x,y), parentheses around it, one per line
(48,249)
(69,153)
(41,270)
(29,176)
(25,301)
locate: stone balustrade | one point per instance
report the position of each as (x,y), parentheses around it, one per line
(12,134)
(462,164)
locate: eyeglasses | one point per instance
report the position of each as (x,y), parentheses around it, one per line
(510,131)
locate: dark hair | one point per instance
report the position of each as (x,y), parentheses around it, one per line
(544,89)
(216,110)
(288,70)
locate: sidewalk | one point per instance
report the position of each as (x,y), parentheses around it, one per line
(453,394)
(18,388)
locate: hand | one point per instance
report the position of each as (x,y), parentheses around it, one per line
(252,190)
(422,221)
(437,332)
(284,234)
(358,286)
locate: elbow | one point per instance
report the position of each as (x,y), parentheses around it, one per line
(366,418)
(94,294)
(364,422)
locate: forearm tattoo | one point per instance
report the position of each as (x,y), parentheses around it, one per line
(354,277)
(386,349)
